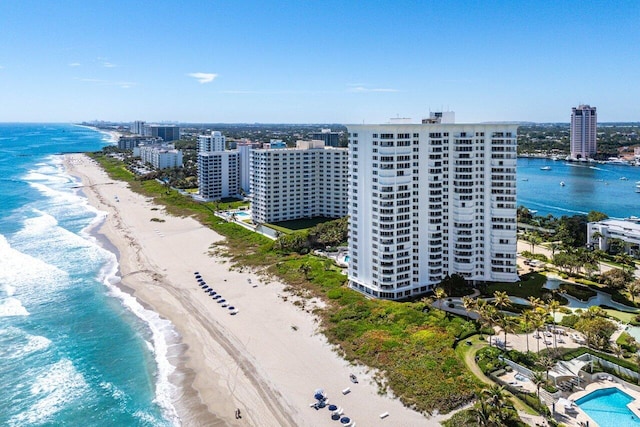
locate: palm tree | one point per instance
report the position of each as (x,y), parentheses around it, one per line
(469,304)
(547,364)
(597,236)
(504,322)
(439,294)
(538,322)
(483,413)
(526,318)
(535,301)
(501,300)
(554,246)
(538,380)
(554,305)
(633,288)
(487,313)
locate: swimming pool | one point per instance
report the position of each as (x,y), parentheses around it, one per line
(608,407)
(241,214)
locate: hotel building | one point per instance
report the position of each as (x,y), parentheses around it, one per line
(303,182)
(218,169)
(427,200)
(584,123)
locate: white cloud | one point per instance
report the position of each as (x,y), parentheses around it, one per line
(203,77)
(1,67)
(108,65)
(123,85)
(74,64)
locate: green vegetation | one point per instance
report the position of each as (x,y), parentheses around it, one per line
(581,292)
(412,346)
(297,225)
(531,285)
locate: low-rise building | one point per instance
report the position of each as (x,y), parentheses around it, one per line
(627,231)
(132,142)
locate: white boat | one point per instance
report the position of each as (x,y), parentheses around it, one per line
(637,186)
(624,178)
(562,184)
(545,168)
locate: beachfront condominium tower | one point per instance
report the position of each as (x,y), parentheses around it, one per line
(430,200)
(218,169)
(215,141)
(304,182)
(583,132)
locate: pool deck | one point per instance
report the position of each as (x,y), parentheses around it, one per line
(580,418)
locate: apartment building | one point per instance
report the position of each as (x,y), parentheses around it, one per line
(303,182)
(161,156)
(627,231)
(427,200)
(218,169)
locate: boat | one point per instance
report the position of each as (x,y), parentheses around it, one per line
(562,184)
(525,179)
(624,178)
(545,168)
(637,186)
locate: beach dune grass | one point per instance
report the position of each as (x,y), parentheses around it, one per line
(411,347)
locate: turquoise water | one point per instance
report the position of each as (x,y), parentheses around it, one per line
(587,187)
(608,407)
(241,214)
(74,349)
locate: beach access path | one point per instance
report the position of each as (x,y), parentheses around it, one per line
(267,360)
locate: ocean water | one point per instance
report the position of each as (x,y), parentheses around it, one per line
(587,187)
(74,349)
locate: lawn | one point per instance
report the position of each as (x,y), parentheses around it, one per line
(297,225)
(530,285)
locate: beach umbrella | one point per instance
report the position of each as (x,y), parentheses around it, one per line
(333,407)
(345,420)
(335,417)
(231,307)
(196,273)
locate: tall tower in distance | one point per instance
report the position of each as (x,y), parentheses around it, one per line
(584,123)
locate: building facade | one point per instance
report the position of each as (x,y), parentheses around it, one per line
(132,142)
(137,127)
(304,182)
(167,132)
(331,139)
(216,141)
(244,158)
(430,200)
(584,128)
(161,156)
(218,169)
(218,174)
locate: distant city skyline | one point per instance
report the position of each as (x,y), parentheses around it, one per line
(316,62)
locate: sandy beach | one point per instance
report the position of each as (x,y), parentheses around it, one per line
(267,360)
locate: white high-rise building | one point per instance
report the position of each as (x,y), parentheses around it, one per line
(214,142)
(244,152)
(584,128)
(137,127)
(218,169)
(303,182)
(218,175)
(430,200)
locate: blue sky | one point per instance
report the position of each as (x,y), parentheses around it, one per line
(317,61)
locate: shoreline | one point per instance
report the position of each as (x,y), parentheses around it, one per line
(256,360)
